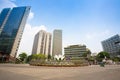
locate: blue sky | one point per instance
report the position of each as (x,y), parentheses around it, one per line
(82,21)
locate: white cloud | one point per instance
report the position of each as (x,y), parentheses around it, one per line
(90,36)
(97,34)
(93,40)
(13,0)
(6,4)
(106,32)
(43,27)
(31,15)
(28,38)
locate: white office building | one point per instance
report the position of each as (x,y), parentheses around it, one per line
(57,42)
(42,43)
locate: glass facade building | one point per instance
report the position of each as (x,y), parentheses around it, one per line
(3,17)
(112,45)
(12,23)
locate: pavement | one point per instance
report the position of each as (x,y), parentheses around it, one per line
(26,72)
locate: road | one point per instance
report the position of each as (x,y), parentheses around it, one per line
(26,72)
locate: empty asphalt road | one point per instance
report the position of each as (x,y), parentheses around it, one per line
(26,72)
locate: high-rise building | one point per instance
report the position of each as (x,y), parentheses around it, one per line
(12,23)
(75,51)
(112,45)
(3,17)
(42,43)
(57,42)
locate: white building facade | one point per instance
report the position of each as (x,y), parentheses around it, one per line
(42,43)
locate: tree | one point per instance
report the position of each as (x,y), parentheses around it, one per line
(116,59)
(37,56)
(34,56)
(49,57)
(29,58)
(23,56)
(41,56)
(87,54)
(102,55)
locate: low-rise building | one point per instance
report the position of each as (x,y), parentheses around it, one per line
(75,51)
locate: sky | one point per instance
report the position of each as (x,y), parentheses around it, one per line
(82,21)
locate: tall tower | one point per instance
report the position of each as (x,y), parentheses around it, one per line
(57,42)
(48,44)
(12,23)
(42,43)
(3,18)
